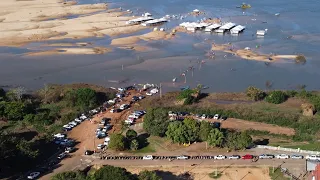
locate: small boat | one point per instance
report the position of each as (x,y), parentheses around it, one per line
(277,14)
(185,88)
(174,79)
(205,87)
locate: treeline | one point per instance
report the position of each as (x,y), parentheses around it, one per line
(28,121)
(107,173)
(157,123)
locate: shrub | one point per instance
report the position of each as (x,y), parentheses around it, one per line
(276,97)
(301,59)
(185,94)
(255,93)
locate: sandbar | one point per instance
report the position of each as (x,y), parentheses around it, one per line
(70,51)
(250,54)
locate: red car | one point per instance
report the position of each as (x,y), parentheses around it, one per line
(247,156)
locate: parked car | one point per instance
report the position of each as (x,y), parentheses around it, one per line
(216,116)
(59,135)
(128,121)
(147,157)
(62,155)
(313,157)
(266,156)
(101,146)
(247,156)
(296,156)
(33,175)
(88,152)
(234,157)
(69,149)
(182,157)
(209,116)
(203,116)
(78,120)
(282,156)
(149,94)
(141,97)
(220,157)
(224,118)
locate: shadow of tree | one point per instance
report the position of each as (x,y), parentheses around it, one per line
(171,176)
(143,140)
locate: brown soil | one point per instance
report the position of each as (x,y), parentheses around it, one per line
(238,124)
(202,172)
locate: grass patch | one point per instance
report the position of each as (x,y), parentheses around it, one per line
(314,146)
(277,174)
(215,174)
(147,149)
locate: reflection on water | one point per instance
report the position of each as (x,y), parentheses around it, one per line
(168,59)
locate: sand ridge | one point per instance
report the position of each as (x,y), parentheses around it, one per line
(249,54)
(22,22)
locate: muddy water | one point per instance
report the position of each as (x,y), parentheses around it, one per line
(168,59)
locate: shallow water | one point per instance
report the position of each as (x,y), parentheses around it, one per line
(169,59)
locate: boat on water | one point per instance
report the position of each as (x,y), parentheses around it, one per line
(205,87)
(174,79)
(185,88)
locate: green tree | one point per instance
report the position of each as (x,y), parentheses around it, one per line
(43,119)
(2,108)
(231,140)
(237,140)
(134,145)
(148,175)
(205,129)
(86,98)
(28,118)
(14,110)
(131,134)
(255,93)
(69,175)
(156,121)
(245,140)
(215,138)
(2,94)
(177,132)
(192,131)
(117,142)
(112,173)
(276,97)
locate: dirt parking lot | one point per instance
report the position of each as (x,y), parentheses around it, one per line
(85,132)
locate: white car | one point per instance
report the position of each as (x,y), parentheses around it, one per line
(313,157)
(220,157)
(33,175)
(83,117)
(203,116)
(120,89)
(100,146)
(296,156)
(69,149)
(149,94)
(234,157)
(128,121)
(266,156)
(182,157)
(59,135)
(282,156)
(78,120)
(112,110)
(148,157)
(216,116)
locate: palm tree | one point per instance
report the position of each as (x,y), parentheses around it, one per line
(215,137)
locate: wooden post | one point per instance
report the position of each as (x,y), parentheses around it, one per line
(160,90)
